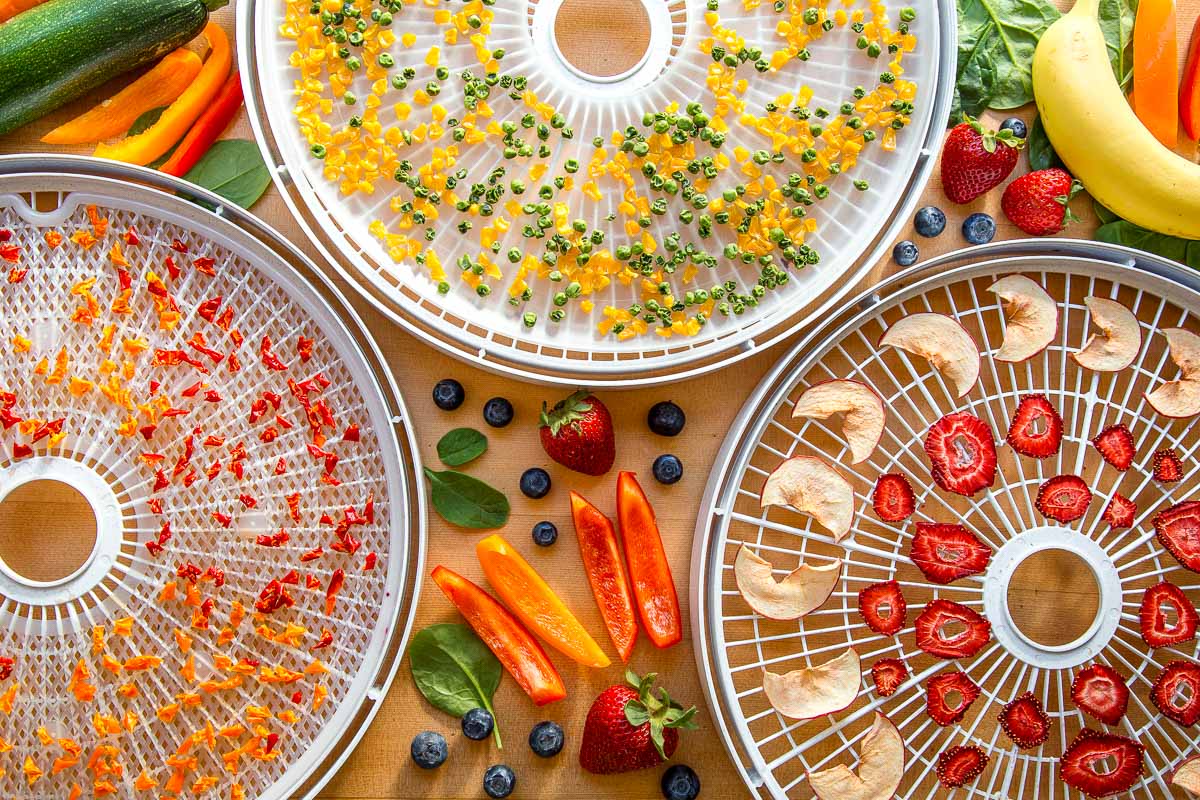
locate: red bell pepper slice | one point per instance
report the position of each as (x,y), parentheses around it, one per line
(1189,90)
(516,649)
(207,129)
(602,562)
(653,587)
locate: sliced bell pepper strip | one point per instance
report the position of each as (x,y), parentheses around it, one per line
(159,87)
(516,649)
(10,8)
(653,587)
(179,116)
(208,128)
(1156,70)
(533,602)
(606,573)
(1189,90)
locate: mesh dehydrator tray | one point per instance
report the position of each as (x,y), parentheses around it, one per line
(84,354)
(734,645)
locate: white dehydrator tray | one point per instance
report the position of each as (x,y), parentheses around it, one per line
(854,228)
(215,516)
(734,645)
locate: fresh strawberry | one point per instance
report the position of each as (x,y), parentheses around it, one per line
(1167,466)
(945,552)
(938,691)
(962,453)
(960,765)
(1120,511)
(1166,616)
(976,160)
(1101,692)
(1101,764)
(937,615)
(1064,498)
(1178,530)
(893,498)
(1036,429)
(888,674)
(1176,693)
(629,728)
(1037,202)
(578,433)
(1116,446)
(883,608)
(1025,721)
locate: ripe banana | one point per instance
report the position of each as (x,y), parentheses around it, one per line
(1100,139)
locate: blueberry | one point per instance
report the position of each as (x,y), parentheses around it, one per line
(545,533)
(429,750)
(667,469)
(666,418)
(680,782)
(448,394)
(546,739)
(905,253)
(499,781)
(497,412)
(477,724)
(1016,125)
(535,483)
(930,221)
(979,228)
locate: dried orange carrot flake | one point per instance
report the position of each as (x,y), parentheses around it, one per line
(144,782)
(123,627)
(32,771)
(142,662)
(80,687)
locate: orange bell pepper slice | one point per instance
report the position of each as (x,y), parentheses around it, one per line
(516,649)
(1156,70)
(653,587)
(10,8)
(179,116)
(606,573)
(533,602)
(1189,90)
(159,87)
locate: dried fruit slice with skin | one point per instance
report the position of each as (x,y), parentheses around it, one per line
(883,608)
(812,487)
(1166,616)
(893,498)
(962,453)
(880,768)
(1116,446)
(888,674)
(1180,398)
(1186,775)
(802,591)
(937,615)
(815,691)
(1036,429)
(863,414)
(1178,530)
(1167,466)
(945,552)
(948,696)
(960,765)
(1064,498)
(1118,342)
(1031,318)
(1025,721)
(1100,692)
(943,342)
(1101,764)
(1176,692)
(1120,511)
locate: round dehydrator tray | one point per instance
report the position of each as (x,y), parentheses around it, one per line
(735,646)
(853,228)
(243,449)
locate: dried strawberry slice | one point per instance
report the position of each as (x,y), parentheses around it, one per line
(893,498)
(940,613)
(960,765)
(948,695)
(1064,498)
(1167,466)
(1176,693)
(962,453)
(888,674)
(1101,764)
(1166,616)
(1025,721)
(1116,446)
(883,608)
(1101,692)
(1178,530)
(945,552)
(1120,511)
(1036,429)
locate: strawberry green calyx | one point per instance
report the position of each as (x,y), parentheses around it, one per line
(1065,199)
(990,137)
(660,712)
(566,412)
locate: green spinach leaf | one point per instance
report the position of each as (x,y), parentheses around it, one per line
(996,40)
(465,501)
(1041,152)
(1119,231)
(460,446)
(146,121)
(1116,21)
(234,169)
(454,670)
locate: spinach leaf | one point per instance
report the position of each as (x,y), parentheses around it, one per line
(465,501)
(1041,152)
(1116,21)
(146,121)
(1185,251)
(454,670)
(234,169)
(996,40)
(461,446)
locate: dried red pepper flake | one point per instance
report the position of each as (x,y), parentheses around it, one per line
(283,422)
(247,500)
(224,519)
(178,246)
(204,264)
(293,500)
(164,533)
(297,697)
(346,544)
(124,279)
(368,512)
(326,519)
(274,399)
(272,739)
(172,358)
(188,571)
(154,387)
(305,348)
(207,310)
(172,268)
(160,481)
(237,469)
(50,428)
(147,431)
(277,539)
(269,359)
(336,581)
(234,363)
(281,467)
(131,237)
(292,578)
(312,555)
(17,275)
(8,418)
(10,253)
(269,435)
(155,548)
(190,478)
(214,469)
(325,640)
(213,440)
(212,396)
(273,597)
(155,505)
(175,412)
(193,390)
(198,344)
(370,561)
(311,582)
(5,234)
(351,434)
(6,667)
(258,410)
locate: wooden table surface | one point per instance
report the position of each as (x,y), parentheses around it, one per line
(380,767)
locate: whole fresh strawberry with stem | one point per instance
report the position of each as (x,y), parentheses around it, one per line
(1038,202)
(630,727)
(976,160)
(578,433)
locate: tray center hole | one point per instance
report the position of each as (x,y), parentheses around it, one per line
(1053,597)
(47,531)
(602,39)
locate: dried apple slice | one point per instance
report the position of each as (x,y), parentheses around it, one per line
(880,768)
(1031,318)
(802,591)
(862,413)
(1119,340)
(1180,398)
(940,340)
(815,691)
(1187,775)
(809,485)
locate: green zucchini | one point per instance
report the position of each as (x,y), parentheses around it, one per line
(56,52)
